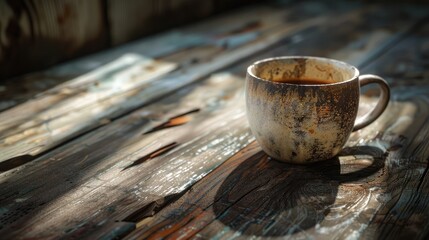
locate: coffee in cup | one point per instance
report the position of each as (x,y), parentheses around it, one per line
(302,109)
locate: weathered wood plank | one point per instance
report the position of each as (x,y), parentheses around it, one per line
(96,173)
(210,32)
(24,135)
(377,188)
(34,84)
(127,145)
(70,109)
(155,15)
(404,195)
(151,47)
(151,16)
(114,230)
(279,200)
(336,199)
(232,139)
(38,34)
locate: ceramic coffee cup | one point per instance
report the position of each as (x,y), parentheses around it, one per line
(302,109)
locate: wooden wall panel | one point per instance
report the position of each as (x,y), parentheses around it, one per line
(36,34)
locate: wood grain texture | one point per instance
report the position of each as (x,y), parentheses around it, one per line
(68,110)
(133,168)
(47,121)
(164,44)
(24,136)
(404,195)
(38,34)
(376,188)
(151,16)
(130,144)
(155,15)
(252,195)
(227,144)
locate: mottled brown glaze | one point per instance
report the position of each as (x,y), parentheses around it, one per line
(302,123)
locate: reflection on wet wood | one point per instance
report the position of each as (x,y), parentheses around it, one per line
(184,183)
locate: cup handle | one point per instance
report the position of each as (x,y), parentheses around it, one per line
(382,102)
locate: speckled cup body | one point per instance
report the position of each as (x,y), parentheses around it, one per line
(299,123)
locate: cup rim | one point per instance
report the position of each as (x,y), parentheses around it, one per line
(355,70)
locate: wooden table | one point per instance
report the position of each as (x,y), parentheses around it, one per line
(150,140)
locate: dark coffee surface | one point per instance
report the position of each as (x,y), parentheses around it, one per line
(307,81)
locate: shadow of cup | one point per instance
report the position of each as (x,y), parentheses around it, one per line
(263,197)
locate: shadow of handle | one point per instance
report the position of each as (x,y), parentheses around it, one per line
(378,162)
(382,102)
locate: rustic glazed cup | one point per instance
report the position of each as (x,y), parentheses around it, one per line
(304,123)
